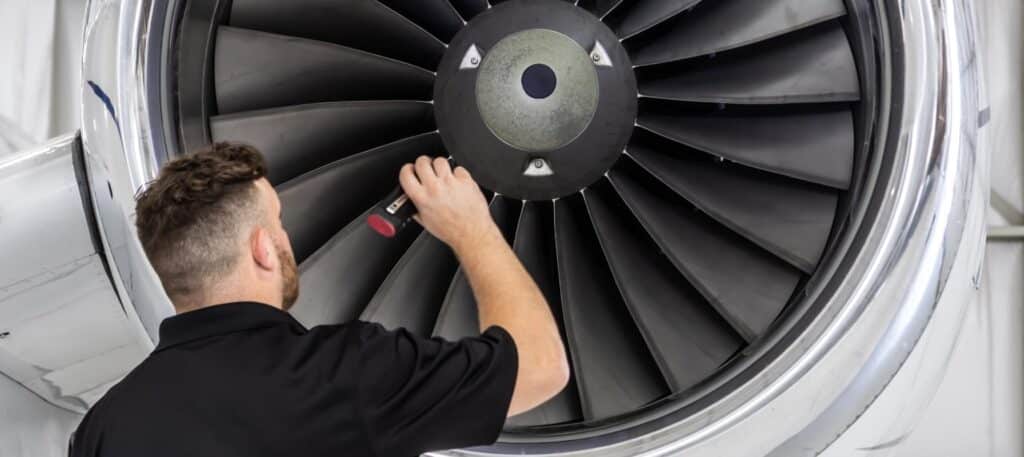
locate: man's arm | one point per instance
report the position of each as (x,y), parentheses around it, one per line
(452,208)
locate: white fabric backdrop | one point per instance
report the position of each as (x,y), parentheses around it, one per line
(40,55)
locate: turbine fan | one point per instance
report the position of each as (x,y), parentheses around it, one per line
(681,248)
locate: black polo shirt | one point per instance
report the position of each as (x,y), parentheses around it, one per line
(247,379)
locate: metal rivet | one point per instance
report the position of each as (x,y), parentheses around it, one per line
(538,167)
(471,59)
(600,55)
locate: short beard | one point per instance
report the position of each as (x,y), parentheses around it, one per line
(289,278)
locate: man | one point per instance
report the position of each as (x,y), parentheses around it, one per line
(235,375)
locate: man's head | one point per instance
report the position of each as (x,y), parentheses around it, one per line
(211,227)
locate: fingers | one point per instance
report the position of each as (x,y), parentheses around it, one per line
(442,167)
(410,183)
(425,172)
(462,173)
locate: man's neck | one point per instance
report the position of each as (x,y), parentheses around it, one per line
(236,287)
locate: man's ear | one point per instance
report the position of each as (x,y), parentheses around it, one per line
(262,249)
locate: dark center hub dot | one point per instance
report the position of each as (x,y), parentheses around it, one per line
(539,81)
(520,101)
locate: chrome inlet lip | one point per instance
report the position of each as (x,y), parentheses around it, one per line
(122,139)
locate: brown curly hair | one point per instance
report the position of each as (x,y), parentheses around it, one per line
(191,217)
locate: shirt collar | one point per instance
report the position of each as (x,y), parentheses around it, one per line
(220,320)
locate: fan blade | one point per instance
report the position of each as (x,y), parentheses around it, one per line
(747,285)
(613,368)
(411,295)
(599,8)
(360,24)
(316,205)
(535,246)
(436,16)
(815,145)
(458,317)
(813,67)
(722,26)
(340,278)
(792,219)
(638,16)
(470,8)
(296,139)
(687,338)
(255,70)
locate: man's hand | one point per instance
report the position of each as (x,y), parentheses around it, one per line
(454,210)
(450,204)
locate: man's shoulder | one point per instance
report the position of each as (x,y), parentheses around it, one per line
(354,331)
